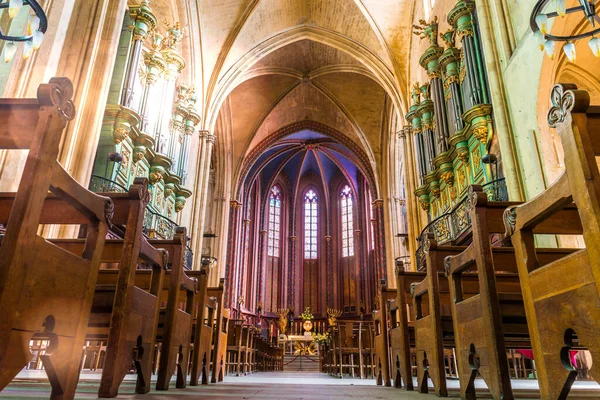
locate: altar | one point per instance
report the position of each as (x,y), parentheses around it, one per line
(298,344)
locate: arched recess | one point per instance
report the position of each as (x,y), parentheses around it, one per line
(358,155)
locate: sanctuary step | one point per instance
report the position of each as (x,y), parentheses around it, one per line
(303,363)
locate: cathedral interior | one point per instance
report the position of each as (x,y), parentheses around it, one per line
(299,199)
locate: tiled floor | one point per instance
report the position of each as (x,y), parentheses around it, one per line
(274,385)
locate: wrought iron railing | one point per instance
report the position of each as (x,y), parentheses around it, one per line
(100,184)
(451,225)
(155,225)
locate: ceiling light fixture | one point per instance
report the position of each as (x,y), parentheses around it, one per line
(34,30)
(539,23)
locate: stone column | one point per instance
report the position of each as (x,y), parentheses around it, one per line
(262,265)
(411,205)
(328,272)
(91,75)
(504,129)
(291,290)
(203,187)
(232,240)
(244,260)
(197,210)
(379,230)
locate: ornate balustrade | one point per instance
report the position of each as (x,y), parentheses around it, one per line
(100,184)
(155,224)
(450,226)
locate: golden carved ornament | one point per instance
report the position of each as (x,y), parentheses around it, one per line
(463,155)
(448,178)
(332,316)
(282,319)
(453,194)
(481,133)
(477,159)
(424,204)
(155,177)
(120,134)
(435,74)
(138,155)
(435,192)
(450,79)
(461,177)
(465,32)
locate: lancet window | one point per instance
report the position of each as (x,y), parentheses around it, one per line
(274,222)
(347,222)
(310,225)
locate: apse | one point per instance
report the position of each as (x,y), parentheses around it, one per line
(307,238)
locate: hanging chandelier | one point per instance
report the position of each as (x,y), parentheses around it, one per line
(34,32)
(539,23)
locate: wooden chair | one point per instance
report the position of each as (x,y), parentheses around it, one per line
(175,323)
(433,321)
(489,322)
(402,332)
(366,340)
(380,326)
(562,298)
(348,349)
(45,292)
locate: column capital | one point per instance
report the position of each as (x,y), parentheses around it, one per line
(402,133)
(211,138)
(377,203)
(263,232)
(247,221)
(235,204)
(293,238)
(202,133)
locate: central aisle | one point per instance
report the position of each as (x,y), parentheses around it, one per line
(298,378)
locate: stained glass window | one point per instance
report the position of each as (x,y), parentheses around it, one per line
(347,223)
(310,225)
(274,222)
(371,217)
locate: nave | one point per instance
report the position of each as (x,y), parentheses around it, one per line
(290,385)
(300,199)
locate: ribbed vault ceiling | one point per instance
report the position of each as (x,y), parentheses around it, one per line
(268,64)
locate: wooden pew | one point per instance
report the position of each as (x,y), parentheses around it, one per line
(493,320)
(124,314)
(402,332)
(203,328)
(220,332)
(380,326)
(562,298)
(175,324)
(45,292)
(433,331)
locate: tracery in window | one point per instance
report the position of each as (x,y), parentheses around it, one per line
(310,225)
(274,222)
(347,222)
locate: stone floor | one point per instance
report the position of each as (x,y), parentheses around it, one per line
(274,385)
